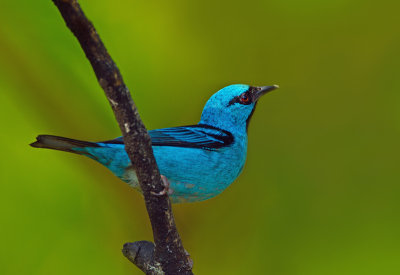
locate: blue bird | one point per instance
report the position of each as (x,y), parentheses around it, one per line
(199,161)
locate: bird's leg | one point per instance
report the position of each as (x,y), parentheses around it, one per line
(166,189)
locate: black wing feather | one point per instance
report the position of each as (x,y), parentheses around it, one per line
(192,136)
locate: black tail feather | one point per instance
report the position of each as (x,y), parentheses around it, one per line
(61,143)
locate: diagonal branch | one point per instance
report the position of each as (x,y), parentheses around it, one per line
(168,252)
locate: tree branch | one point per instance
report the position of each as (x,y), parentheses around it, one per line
(168,255)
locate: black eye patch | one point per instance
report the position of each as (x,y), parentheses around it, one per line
(245,98)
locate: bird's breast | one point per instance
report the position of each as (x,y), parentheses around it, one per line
(198,174)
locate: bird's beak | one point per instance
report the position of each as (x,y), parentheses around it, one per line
(262,90)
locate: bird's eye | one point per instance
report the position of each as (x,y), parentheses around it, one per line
(244,98)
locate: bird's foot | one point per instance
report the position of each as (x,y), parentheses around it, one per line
(166,190)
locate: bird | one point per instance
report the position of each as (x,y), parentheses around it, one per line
(197,162)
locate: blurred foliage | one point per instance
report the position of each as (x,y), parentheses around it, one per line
(320,190)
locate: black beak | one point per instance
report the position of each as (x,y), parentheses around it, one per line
(262,90)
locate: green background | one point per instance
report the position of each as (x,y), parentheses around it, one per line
(320,190)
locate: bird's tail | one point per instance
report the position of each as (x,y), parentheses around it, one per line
(62,143)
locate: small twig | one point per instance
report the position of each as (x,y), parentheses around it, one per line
(141,254)
(169,253)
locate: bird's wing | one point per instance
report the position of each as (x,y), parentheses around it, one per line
(193,136)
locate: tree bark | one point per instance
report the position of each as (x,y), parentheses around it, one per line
(168,255)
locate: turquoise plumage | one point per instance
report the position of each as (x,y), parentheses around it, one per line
(199,161)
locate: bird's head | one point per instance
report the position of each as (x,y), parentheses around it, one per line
(232,107)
